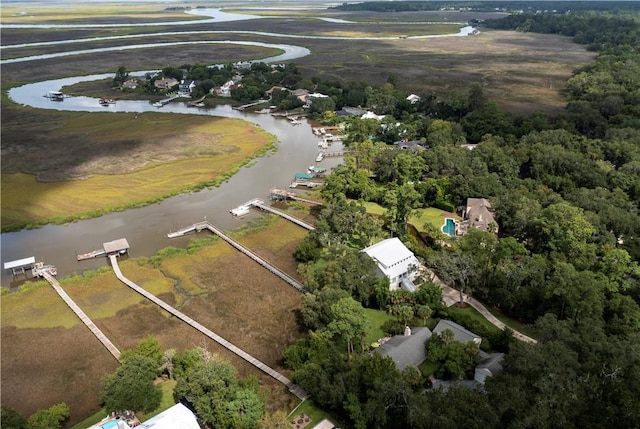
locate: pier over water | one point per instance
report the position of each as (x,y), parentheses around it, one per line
(293,388)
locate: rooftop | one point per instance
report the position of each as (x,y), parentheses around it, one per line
(407,350)
(460,334)
(116,245)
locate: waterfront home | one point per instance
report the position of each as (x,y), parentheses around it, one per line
(406,350)
(187,85)
(395,262)
(478,214)
(165,83)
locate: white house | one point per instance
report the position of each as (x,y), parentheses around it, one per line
(174,417)
(395,262)
(177,416)
(413,99)
(371,115)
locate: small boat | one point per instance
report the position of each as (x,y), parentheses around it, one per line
(55,95)
(107,101)
(240,211)
(91,255)
(157,104)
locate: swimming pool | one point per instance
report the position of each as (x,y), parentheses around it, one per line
(449,227)
(110,424)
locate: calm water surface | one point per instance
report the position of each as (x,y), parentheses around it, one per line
(146,228)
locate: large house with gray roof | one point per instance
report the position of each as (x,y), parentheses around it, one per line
(460,334)
(478,214)
(406,350)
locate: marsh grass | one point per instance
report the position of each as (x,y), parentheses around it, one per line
(41,14)
(210,153)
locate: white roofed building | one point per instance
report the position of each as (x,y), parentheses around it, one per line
(395,262)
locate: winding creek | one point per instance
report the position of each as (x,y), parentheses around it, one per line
(146,228)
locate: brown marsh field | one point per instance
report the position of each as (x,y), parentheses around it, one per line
(47,355)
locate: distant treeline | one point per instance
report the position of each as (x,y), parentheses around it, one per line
(507,6)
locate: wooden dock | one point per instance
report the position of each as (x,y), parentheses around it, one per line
(200,226)
(85,319)
(281,194)
(262,206)
(293,388)
(335,153)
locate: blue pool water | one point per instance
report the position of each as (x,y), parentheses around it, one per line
(449,227)
(110,424)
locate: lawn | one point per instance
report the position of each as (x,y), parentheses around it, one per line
(376,319)
(474,316)
(419,217)
(308,408)
(431,215)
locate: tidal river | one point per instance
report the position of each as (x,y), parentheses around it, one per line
(146,228)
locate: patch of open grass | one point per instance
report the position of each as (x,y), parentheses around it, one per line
(308,408)
(376,319)
(167,401)
(419,217)
(374,208)
(431,215)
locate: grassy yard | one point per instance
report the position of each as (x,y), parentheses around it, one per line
(419,217)
(309,409)
(376,319)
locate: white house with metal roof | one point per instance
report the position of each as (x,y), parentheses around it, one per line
(395,262)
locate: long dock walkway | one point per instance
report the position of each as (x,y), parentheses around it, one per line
(293,388)
(261,205)
(282,194)
(199,226)
(85,319)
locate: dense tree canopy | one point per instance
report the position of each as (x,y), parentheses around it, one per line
(566,193)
